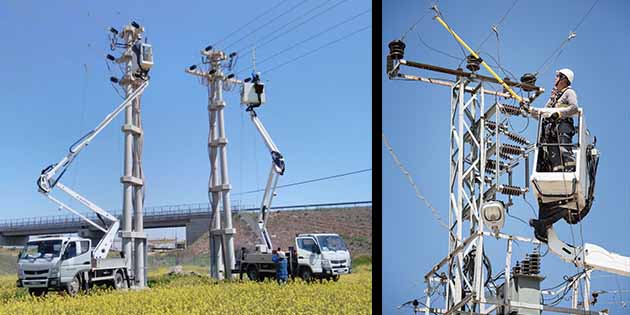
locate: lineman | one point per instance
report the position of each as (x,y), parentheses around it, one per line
(558,125)
(557,130)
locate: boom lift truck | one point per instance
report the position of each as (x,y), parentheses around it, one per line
(71,263)
(317,255)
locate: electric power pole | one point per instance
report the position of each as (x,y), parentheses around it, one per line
(221,232)
(137,59)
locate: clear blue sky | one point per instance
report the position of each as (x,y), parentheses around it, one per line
(55,87)
(415,120)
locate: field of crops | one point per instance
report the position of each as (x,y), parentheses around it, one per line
(197,294)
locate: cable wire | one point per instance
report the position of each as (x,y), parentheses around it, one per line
(317,49)
(309,181)
(249,23)
(496,26)
(306,40)
(269,22)
(413,183)
(294,27)
(572,35)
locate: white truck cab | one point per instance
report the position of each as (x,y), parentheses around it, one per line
(326,255)
(65,263)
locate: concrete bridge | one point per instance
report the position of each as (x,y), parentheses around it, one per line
(194,217)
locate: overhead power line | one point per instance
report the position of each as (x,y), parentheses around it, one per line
(310,181)
(293,28)
(317,49)
(249,22)
(558,51)
(269,22)
(309,38)
(413,183)
(496,26)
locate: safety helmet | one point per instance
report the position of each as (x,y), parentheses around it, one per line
(567,73)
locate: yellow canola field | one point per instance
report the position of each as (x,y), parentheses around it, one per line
(192,295)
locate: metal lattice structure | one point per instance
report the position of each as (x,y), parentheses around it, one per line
(484,155)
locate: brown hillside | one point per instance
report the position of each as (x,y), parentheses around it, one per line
(353,224)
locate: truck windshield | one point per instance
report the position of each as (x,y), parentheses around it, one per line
(331,243)
(37,249)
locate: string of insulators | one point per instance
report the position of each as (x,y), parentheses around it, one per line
(504,130)
(509,109)
(511,149)
(511,190)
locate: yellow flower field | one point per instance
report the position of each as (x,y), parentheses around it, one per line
(194,294)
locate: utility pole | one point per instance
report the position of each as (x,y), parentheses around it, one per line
(137,59)
(221,232)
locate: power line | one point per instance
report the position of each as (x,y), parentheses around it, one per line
(435,49)
(269,22)
(249,23)
(317,49)
(296,26)
(572,35)
(309,181)
(308,39)
(413,26)
(495,27)
(413,183)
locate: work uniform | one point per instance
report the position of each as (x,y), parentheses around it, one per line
(554,158)
(282,274)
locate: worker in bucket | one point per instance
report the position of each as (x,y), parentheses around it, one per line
(558,127)
(279,258)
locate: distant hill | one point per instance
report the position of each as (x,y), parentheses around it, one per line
(353,224)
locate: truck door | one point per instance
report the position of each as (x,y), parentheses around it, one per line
(309,253)
(68,266)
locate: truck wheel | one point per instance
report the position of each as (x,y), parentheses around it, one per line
(252,273)
(119,281)
(73,287)
(37,291)
(306,274)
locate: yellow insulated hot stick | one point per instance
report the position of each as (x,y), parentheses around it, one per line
(472,52)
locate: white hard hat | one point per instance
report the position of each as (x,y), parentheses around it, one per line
(567,73)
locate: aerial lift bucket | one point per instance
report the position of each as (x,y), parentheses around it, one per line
(566,193)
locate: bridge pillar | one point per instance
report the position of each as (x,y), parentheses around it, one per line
(195,228)
(13,240)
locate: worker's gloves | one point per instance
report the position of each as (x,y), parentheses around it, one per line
(552,115)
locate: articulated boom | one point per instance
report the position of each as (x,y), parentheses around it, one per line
(51,175)
(277,169)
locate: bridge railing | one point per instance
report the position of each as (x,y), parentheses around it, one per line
(180,210)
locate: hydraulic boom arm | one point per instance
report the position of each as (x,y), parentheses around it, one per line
(51,175)
(589,256)
(277,169)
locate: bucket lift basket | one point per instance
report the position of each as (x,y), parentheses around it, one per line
(570,189)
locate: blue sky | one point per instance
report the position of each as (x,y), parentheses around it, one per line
(55,87)
(415,120)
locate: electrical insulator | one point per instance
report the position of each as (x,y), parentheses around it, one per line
(397,49)
(529,79)
(472,63)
